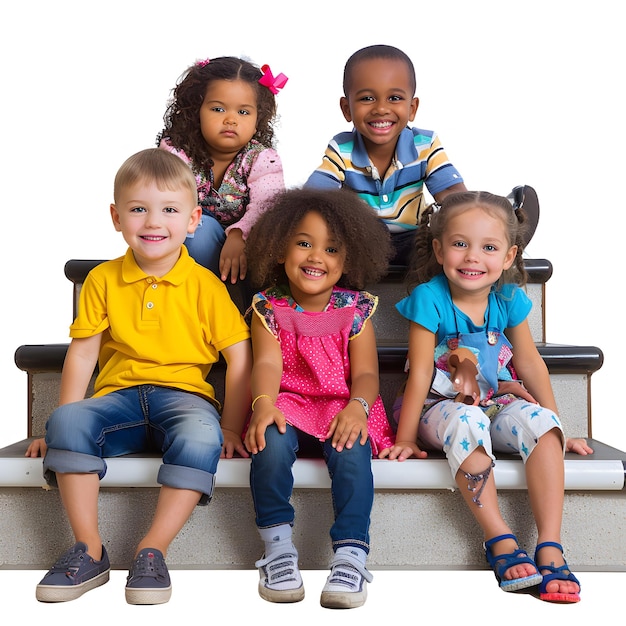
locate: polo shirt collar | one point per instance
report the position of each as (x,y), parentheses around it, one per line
(405,149)
(132,273)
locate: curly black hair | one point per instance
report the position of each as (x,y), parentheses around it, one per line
(365,238)
(424,265)
(182,117)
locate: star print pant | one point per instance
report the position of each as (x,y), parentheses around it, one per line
(459,429)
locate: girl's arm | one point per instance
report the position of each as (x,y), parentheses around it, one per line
(267,371)
(264,181)
(530,367)
(350,423)
(266,178)
(78,367)
(238,359)
(421,367)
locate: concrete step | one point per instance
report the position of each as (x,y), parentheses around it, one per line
(411,528)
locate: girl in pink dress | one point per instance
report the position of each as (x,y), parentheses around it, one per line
(315,379)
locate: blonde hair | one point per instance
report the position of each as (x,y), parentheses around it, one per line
(158,166)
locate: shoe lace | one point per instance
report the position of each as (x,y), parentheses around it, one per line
(70,561)
(149,564)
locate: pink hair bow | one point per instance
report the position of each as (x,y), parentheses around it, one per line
(273,83)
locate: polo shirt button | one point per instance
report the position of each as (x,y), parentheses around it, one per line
(154,286)
(150,305)
(385,198)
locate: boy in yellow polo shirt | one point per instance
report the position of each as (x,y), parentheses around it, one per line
(154,321)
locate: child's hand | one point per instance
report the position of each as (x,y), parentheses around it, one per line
(516,388)
(233,261)
(579,446)
(348,425)
(36,448)
(401,451)
(265,414)
(232,443)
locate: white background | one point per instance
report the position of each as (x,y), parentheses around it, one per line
(519,92)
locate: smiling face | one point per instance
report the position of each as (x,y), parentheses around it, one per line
(154,223)
(314,262)
(228,116)
(474,250)
(380,101)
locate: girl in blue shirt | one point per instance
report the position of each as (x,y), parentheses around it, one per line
(470,348)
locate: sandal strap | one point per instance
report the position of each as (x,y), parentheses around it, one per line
(548,544)
(493,540)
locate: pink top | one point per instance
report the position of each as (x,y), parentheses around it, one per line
(315,383)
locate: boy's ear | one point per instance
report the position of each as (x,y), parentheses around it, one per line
(194,220)
(415,103)
(345,108)
(115,216)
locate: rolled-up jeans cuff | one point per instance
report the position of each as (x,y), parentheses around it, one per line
(180,477)
(68,462)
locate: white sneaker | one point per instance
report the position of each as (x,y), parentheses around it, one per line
(280,577)
(346,585)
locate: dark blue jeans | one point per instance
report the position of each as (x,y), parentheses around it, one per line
(352,485)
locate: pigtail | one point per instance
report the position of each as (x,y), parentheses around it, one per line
(518,228)
(423,263)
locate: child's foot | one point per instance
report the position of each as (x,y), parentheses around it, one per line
(513,568)
(148,581)
(346,585)
(74,573)
(280,579)
(559,584)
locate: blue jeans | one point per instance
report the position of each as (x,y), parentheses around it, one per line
(184,427)
(352,485)
(205,245)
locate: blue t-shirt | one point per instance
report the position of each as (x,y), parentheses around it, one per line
(430,305)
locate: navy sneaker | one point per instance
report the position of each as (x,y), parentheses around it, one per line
(73,574)
(148,581)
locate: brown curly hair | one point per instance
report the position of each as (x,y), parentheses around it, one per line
(182,117)
(356,225)
(424,265)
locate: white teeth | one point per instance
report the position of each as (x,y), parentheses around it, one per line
(381,124)
(313,272)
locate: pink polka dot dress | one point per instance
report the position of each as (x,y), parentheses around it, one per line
(315,384)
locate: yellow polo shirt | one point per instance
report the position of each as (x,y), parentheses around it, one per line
(164,331)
